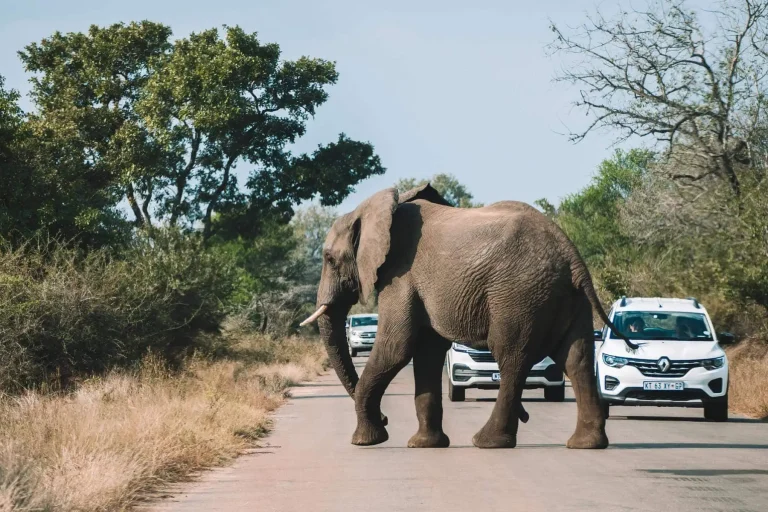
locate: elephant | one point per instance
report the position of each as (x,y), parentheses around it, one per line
(502,277)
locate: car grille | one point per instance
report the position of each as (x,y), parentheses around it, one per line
(677,396)
(367,334)
(650,367)
(482,357)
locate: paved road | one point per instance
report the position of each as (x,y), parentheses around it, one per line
(659,459)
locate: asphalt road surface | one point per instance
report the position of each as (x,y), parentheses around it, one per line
(659,459)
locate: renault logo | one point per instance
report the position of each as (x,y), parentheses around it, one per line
(664,364)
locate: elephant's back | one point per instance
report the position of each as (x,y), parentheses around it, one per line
(470,262)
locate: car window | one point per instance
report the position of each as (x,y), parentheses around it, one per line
(653,325)
(364,320)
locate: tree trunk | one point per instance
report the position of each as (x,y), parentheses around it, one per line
(207,228)
(181,180)
(131,194)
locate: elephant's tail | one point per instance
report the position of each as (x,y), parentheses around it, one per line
(584,282)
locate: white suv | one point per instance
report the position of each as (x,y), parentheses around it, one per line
(361,332)
(679,362)
(469,368)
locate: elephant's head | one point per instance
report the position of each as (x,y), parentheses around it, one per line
(355,248)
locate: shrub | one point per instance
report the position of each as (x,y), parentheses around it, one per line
(65,314)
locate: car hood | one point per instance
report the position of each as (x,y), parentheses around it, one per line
(365,328)
(671,349)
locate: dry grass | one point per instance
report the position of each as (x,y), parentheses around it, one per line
(748,393)
(99,447)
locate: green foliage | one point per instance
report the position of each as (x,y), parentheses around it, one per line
(709,248)
(66,314)
(447,185)
(162,125)
(590,217)
(123,116)
(44,189)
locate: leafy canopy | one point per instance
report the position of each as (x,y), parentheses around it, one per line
(162,125)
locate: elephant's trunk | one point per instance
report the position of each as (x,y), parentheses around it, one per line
(335,338)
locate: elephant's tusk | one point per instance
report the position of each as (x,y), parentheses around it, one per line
(314,316)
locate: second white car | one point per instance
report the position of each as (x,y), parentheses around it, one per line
(469,368)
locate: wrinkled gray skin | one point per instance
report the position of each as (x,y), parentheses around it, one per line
(502,277)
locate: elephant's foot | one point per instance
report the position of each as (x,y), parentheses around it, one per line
(486,439)
(429,439)
(588,438)
(368,434)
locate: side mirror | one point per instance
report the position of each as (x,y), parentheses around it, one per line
(598,334)
(726,338)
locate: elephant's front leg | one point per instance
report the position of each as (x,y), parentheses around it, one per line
(390,354)
(428,361)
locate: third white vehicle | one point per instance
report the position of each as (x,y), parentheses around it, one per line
(361,332)
(679,363)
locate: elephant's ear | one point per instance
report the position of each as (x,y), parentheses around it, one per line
(373,219)
(425,192)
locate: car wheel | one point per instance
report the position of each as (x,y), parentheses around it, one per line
(605,408)
(717,410)
(353,351)
(455,393)
(554,393)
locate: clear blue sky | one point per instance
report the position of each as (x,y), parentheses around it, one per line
(436,86)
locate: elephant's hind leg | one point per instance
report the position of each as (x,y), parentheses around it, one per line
(500,431)
(428,361)
(578,353)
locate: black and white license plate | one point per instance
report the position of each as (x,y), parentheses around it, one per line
(496,377)
(663,386)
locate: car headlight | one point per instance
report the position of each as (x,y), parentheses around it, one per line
(614,361)
(461,348)
(713,364)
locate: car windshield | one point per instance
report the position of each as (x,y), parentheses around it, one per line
(364,320)
(652,325)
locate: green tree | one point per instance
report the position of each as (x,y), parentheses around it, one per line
(448,186)
(11,169)
(85,87)
(590,217)
(216,102)
(163,125)
(43,190)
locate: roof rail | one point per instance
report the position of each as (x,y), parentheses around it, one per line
(623,301)
(695,302)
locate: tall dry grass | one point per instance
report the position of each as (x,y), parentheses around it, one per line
(748,393)
(100,446)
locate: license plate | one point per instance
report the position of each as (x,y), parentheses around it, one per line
(663,386)
(496,377)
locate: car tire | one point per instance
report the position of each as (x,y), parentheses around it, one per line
(456,393)
(717,410)
(353,351)
(605,408)
(554,393)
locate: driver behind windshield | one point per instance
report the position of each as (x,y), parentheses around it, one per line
(635,324)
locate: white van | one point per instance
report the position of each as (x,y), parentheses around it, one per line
(679,363)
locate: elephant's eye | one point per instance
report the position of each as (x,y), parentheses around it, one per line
(330,259)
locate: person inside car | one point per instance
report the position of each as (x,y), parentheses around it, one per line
(636,324)
(683,328)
